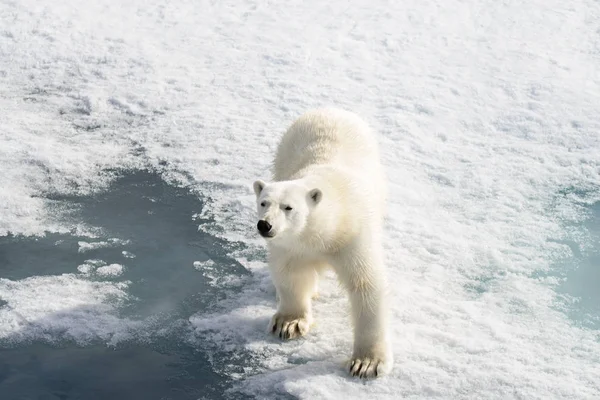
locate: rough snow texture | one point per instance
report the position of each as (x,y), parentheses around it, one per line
(63,307)
(112,242)
(110,270)
(488,116)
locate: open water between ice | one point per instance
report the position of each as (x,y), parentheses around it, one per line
(121,301)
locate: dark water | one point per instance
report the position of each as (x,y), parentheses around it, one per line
(157,221)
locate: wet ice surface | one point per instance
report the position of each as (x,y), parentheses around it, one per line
(128,336)
(581,274)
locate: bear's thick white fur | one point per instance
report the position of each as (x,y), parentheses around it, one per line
(325,209)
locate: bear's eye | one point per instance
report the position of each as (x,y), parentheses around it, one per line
(288,208)
(263,204)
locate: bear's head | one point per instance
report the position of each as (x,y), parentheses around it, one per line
(284,209)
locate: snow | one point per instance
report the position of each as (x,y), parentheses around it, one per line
(213,276)
(207,264)
(128,254)
(487,115)
(88,246)
(110,270)
(64,307)
(85,268)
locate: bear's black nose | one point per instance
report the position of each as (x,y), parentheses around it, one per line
(263,226)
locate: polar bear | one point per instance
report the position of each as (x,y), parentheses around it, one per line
(324,209)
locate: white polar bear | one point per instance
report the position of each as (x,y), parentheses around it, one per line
(325,209)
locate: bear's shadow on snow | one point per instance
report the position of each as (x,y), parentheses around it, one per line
(158,244)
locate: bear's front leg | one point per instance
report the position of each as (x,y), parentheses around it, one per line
(362,275)
(295,283)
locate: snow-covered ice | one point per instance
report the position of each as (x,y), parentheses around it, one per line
(127,254)
(88,246)
(488,119)
(63,307)
(208,264)
(89,266)
(110,270)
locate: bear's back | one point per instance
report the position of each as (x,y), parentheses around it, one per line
(326,136)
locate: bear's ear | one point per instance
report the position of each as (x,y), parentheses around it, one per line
(259,186)
(316,195)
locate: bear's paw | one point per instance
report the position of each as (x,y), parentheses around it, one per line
(368,367)
(289,326)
